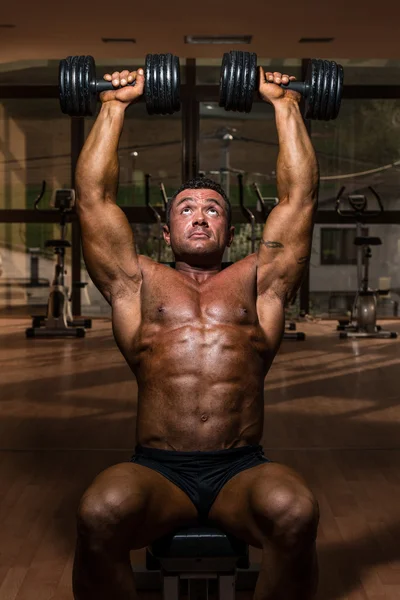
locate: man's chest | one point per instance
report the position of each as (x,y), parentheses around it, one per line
(223,298)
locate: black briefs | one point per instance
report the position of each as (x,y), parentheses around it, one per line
(201,475)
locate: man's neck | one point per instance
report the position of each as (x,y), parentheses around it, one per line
(199,273)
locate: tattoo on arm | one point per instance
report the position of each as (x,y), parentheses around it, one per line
(269,244)
(303,260)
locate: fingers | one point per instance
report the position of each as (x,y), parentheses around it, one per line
(122,78)
(140,81)
(278,78)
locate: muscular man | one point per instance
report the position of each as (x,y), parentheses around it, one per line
(200,341)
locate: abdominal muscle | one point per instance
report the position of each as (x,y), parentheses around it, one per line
(200,386)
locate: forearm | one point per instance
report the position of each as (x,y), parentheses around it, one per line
(97,171)
(297,167)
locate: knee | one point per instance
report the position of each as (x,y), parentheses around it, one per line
(289,517)
(101,516)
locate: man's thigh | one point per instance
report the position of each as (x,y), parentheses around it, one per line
(142,502)
(243,501)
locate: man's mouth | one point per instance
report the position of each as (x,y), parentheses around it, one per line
(199,234)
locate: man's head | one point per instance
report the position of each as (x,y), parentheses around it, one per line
(198,221)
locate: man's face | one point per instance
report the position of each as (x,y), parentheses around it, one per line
(198,225)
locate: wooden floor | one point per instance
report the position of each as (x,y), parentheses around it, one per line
(67,411)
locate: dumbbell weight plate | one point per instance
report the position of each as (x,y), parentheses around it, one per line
(239,85)
(330,108)
(247,81)
(310,86)
(332,91)
(90,86)
(76,86)
(238,80)
(175,84)
(61,86)
(162,84)
(151,86)
(223,80)
(318,83)
(65,88)
(77,78)
(339,91)
(168,84)
(159,78)
(148,89)
(252,79)
(313,82)
(326,80)
(80,77)
(162,98)
(230,79)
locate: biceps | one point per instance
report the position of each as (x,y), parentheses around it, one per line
(108,248)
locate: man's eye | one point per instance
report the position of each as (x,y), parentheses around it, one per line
(185,209)
(214,209)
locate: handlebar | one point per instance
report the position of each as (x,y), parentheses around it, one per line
(247,213)
(260,198)
(151,208)
(164,196)
(63,200)
(359,205)
(41,194)
(155,214)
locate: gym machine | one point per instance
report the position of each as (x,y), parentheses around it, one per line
(58,321)
(157,216)
(362,323)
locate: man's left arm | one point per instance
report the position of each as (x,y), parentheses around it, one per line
(285,248)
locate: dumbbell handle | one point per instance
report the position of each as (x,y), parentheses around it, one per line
(296,86)
(104,86)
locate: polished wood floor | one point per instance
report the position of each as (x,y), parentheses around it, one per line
(67,411)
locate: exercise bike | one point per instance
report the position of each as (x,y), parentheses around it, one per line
(362,323)
(58,322)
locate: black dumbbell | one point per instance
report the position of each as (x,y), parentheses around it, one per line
(322,88)
(79,87)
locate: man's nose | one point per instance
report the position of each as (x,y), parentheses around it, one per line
(200,220)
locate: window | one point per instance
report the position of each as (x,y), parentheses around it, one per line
(337,246)
(358,150)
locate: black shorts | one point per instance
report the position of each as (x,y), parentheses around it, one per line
(201,475)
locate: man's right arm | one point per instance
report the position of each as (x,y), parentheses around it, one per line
(107,237)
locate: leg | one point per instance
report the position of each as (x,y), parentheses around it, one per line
(270,507)
(127,507)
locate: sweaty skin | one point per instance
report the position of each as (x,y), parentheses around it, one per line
(200,340)
(200,356)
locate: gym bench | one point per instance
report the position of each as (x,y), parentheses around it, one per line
(198,555)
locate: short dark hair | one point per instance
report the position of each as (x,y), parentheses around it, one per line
(200,183)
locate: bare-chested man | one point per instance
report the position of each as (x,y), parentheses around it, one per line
(200,341)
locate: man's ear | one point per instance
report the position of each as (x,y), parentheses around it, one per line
(231,234)
(167,235)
